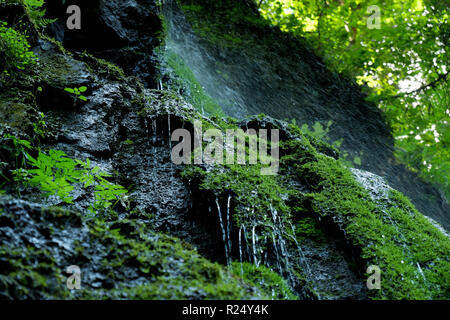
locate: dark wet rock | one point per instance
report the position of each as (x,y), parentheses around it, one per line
(159,192)
(60,71)
(124,128)
(380,190)
(17,116)
(123,32)
(120,260)
(332,271)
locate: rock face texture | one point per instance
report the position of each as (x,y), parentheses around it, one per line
(123,32)
(201,231)
(118,260)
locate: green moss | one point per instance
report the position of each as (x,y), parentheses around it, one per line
(271,284)
(165,103)
(319,144)
(392,234)
(222,23)
(59,46)
(60,71)
(195,93)
(259,202)
(128,142)
(193,7)
(103,67)
(308,228)
(257,195)
(128,261)
(28,272)
(174,271)
(394,237)
(17,116)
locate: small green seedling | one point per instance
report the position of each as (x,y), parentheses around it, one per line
(77,92)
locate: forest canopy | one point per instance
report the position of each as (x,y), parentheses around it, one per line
(399,51)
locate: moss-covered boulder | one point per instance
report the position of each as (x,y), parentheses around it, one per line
(315,194)
(120,260)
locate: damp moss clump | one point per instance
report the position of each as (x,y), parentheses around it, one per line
(183,78)
(308,228)
(164,267)
(223,23)
(313,186)
(411,253)
(255,195)
(259,206)
(271,284)
(118,260)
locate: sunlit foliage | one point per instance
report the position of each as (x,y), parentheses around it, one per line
(403,64)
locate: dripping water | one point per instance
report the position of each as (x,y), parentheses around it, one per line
(303,260)
(229,223)
(169,133)
(219,212)
(276,253)
(147,131)
(246,242)
(421,272)
(240,249)
(254,242)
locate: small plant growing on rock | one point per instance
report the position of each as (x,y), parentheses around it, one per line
(40,127)
(14,50)
(16,147)
(77,93)
(36,13)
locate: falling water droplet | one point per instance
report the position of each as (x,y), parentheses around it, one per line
(219,212)
(254,242)
(169,131)
(229,223)
(240,250)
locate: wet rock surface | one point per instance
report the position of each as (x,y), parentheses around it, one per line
(123,32)
(331,270)
(117,260)
(124,127)
(111,129)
